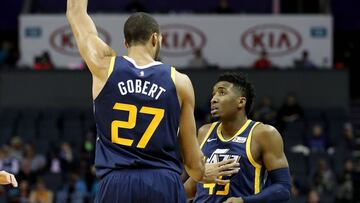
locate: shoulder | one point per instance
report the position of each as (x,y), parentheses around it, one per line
(265,134)
(203,130)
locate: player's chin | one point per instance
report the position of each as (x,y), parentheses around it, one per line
(215,117)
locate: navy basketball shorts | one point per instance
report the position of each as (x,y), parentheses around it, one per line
(141,186)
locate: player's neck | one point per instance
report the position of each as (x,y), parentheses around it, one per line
(230,127)
(141,55)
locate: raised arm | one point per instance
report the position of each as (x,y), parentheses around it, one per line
(95,52)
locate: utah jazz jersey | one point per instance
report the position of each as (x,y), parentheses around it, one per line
(137,118)
(250,178)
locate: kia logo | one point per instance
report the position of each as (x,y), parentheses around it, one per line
(277,40)
(181,40)
(63,40)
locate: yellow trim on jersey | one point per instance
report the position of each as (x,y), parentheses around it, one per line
(253,162)
(236,134)
(111,66)
(208,134)
(173,71)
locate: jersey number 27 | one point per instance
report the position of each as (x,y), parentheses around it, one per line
(131,123)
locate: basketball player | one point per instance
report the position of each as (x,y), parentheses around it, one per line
(7,178)
(140,106)
(257,147)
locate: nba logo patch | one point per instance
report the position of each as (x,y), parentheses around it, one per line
(142,73)
(239,139)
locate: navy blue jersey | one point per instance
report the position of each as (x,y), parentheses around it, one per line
(250,178)
(137,118)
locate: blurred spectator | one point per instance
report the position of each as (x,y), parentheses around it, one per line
(26,174)
(304,62)
(8,53)
(20,194)
(53,161)
(41,194)
(323,178)
(356,181)
(347,141)
(74,191)
(134,6)
(43,62)
(198,61)
(313,197)
(224,7)
(265,112)
(289,112)
(37,161)
(16,147)
(66,157)
(344,190)
(317,141)
(7,162)
(263,62)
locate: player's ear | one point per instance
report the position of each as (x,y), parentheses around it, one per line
(126,44)
(154,39)
(242,102)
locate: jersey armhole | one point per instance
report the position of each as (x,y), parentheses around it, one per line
(208,134)
(172,74)
(111,66)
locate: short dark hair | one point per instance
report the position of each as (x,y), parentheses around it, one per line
(243,84)
(139,27)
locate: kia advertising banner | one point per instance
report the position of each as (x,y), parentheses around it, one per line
(228,41)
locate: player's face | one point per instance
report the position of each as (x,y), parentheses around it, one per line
(225,101)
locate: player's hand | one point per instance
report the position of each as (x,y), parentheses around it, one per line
(234,200)
(224,168)
(7,178)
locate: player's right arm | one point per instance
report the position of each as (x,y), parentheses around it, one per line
(95,52)
(7,178)
(192,155)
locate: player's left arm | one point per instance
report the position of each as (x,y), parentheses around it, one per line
(274,159)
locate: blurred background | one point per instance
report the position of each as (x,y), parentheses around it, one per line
(301,55)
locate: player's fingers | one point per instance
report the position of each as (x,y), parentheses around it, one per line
(224,162)
(229,172)
(230,166)
(221,182)
(13,181)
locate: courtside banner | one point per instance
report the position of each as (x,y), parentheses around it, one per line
(230,41)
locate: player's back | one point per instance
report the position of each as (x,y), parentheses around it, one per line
(137,116)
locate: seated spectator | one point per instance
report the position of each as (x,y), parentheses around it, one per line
(323,178)
(263,62)
(290,111)
(37,161)
(20,194)
(348,138)
(41,194)
(198,61)
(317,141)
(313,197)
(224,7)
(265,112)
(8,53)
(74,191)
(344,190)
(305,62)
(43,62)
(8,163)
